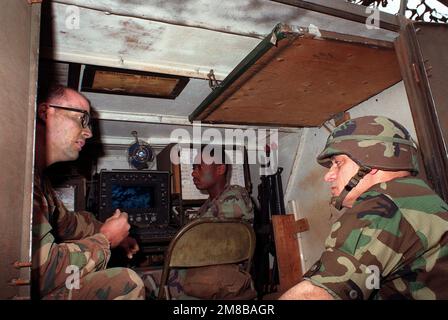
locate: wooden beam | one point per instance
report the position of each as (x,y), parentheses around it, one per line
(344,10)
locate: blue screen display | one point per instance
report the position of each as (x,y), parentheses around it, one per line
(132,197)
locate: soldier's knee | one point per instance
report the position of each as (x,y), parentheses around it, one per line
(136,279)
(125,284)
(138,290)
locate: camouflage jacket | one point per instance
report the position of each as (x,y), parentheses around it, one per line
(62,241)
(233,202)
(393,244)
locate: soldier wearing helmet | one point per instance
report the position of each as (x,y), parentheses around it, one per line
(392,241)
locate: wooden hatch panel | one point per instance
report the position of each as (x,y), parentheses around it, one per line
(303,81)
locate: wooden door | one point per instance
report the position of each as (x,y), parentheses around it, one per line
(19,39)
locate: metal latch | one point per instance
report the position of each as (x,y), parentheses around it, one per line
(212,82)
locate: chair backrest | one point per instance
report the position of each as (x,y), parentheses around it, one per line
(209,241)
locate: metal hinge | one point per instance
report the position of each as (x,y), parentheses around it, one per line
(301,225)
(21,298)
(428,68)
(212,82)
(19,282)
(19,264)
(341,117)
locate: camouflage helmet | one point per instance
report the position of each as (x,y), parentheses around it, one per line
(373,142)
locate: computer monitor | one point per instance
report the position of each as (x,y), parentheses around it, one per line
(143,194)
(132,196)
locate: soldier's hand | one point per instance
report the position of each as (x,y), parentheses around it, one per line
(116,228)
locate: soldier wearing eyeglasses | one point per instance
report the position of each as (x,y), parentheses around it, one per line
(71,249)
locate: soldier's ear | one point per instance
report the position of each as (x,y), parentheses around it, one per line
(42,110)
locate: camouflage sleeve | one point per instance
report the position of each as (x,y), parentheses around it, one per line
(54,262)
(236,203)
(73,225)
(365,245)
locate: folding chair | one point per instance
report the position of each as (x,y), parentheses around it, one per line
(206,242)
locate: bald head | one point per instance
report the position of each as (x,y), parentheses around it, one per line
(64,113)
(55,94)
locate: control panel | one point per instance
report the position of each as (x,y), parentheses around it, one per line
(143,194)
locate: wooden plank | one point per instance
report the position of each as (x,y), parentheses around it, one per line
(287,249)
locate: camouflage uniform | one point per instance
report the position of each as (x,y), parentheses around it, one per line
(396,230)
(401,227)
(64,242)
(233,202)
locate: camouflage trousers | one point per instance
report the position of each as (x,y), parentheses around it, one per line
(108,284)
(152,278)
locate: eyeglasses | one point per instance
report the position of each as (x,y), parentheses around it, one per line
(85,118)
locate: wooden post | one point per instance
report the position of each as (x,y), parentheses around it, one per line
(287,249)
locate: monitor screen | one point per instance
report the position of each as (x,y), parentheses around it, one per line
(132,197)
